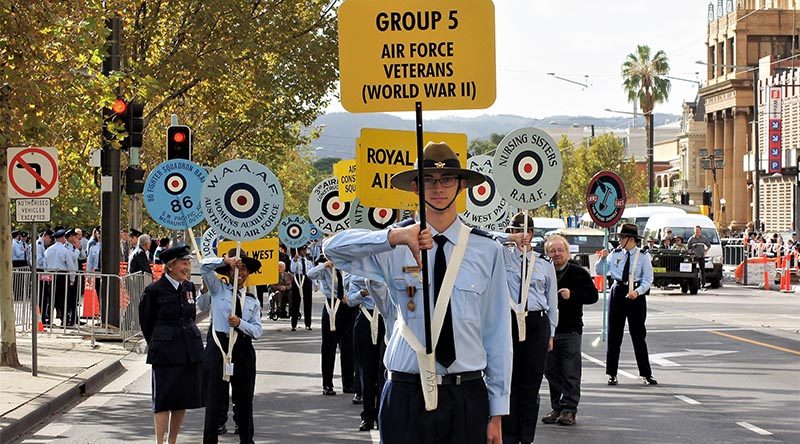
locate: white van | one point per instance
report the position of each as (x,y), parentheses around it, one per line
(542,225)
(639,213)
(683,225)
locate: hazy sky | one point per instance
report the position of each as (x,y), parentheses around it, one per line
(573,38)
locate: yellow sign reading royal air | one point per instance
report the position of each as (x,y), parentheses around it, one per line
(345,173)
(393,53)
(383,153)
(266,251)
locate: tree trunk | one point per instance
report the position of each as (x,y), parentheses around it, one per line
(7,328)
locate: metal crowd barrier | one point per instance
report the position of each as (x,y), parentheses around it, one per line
(78,303)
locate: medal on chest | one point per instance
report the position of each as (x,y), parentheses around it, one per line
(411,290)
(190,297)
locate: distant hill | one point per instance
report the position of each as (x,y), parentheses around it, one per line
(341,129)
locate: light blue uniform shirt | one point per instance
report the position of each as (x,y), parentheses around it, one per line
(543,292)
(58,258)
(93,259)
(642,275)
(296,266)
(324,276)
(218,298)
(354,296)
(18,250)
(479,303)
(40,249)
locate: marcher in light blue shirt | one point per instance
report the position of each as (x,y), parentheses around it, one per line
(17,249)
(246,320)
(479,336)
(93,259)
(628,301)
(540,318)
(43,243)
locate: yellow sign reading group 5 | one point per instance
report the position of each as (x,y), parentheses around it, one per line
(394,53)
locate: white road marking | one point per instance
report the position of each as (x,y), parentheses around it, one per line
(375,436)
(681,330)
(661,358)
(753,428)
(687,400)
(603,364)
(790,317)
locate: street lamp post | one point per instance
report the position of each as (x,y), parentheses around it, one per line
(713,161)
(650,170)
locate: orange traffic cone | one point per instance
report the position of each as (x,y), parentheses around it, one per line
(91,304)
(786,276)
(39,325)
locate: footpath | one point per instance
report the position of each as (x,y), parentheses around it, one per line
(68,367)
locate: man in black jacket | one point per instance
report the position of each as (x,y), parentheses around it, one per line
(139,260)
(563,369)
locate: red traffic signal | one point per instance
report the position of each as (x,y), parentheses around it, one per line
(119,106)
(179,142)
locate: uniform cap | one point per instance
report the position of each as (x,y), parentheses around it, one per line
(437,158)
(175,253)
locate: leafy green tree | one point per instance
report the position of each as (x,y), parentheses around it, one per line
(483,146)
(645,82)
(325,165)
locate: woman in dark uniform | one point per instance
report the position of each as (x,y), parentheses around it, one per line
(174,345)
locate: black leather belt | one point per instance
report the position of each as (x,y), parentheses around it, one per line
(541,313)
(449,379)
(635,284)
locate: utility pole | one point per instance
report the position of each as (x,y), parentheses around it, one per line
(111,193)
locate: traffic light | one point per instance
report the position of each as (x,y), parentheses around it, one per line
(707,198)
(553,202)
(134,180)
(115,124)
(179,142)
(135,125)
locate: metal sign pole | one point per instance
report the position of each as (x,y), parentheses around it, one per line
(34,304)
(426,305)
(605,286)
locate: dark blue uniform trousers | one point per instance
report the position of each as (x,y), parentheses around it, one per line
(461,418)
(530,356)
(368,357)
(621,308)
(243,383)
(343,337)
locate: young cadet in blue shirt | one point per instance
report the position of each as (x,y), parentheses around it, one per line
(334,284)
(475,337)
(530,355)
(628,301)
(368,334)
(301,291)
(246,320)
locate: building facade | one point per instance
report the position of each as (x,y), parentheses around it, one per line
(736,41)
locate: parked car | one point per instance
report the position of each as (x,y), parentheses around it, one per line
(584,243)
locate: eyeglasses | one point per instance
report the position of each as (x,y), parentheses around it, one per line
(445,181)
(556,250)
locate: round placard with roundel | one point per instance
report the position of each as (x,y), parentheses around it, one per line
(242,200)
(209,241)
(484,204)
(315,232)
(294,231)
(527,168)
(325,208)
(605,198)
(372,218)
(172,194)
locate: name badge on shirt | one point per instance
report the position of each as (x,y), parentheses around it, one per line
(410,268)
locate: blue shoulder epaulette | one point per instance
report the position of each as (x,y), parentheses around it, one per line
(477,231)
(545,257)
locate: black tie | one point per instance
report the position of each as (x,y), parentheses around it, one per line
(303,264)
(626,270)
(238,309)
(445,348)
(339,285)
(521,277)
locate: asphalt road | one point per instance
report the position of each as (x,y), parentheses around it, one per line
(728,363)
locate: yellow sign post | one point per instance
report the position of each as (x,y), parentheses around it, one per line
(266,251)
(383,153)
(394,53)
(345,173)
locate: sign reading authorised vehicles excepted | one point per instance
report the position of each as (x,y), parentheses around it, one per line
(32,173)
(33,210)
(394,53)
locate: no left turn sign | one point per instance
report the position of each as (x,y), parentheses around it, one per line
(32,173)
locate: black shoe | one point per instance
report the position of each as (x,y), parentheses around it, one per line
(294,329)
(328,391)
(357,399)
(649,380)
(308,328)
(366,426)
(348,390)
(221,430)
(612,380)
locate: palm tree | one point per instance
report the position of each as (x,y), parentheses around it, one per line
(645,81)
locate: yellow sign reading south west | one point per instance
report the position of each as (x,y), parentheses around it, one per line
(383,153)
(393,53)
(266,251)
(345,173)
